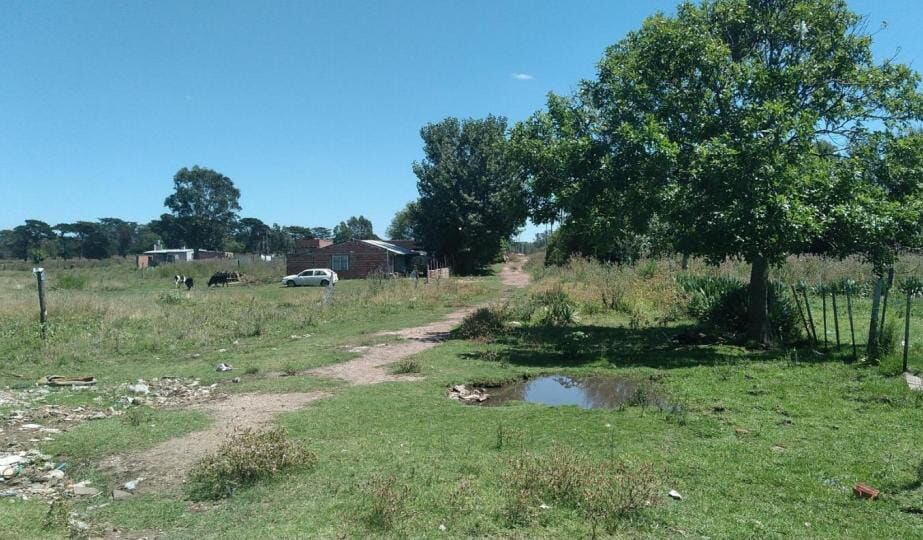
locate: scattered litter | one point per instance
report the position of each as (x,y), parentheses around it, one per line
(460,392)
(914,382)
(222,350)
(675,495)
(132,485)
(223,367)
(442,527)
(544,506)
(235,380)
(85,491)
(865,492)
(61,380)
(139,388)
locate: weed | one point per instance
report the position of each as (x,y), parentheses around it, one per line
(508,437)
(73,282)
(386,501)
(603,491)
(135,416)
(290,370)
(405,366)
(56,517)
(554,307)
(245,458)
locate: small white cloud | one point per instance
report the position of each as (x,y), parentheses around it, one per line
(522,76)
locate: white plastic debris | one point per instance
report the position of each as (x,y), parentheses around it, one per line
(223,367)
(139,388)
(675,495)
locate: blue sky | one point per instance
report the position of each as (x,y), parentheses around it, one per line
(312,108)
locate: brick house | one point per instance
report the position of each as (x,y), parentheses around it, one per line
(356,258)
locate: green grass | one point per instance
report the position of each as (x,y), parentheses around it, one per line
(765,444)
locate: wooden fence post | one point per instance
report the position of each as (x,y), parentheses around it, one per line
(852,330)
(42,310)
(872,345)
(907,328)
(836,317)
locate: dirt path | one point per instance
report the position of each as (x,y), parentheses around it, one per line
(372,366)
(165,466)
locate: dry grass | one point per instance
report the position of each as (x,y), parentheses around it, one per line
(245,458)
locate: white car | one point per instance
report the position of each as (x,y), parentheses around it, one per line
(313,276)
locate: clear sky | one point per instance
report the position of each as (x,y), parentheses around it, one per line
(312,108)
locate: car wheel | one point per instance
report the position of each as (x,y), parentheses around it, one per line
(290,283)
(324,283)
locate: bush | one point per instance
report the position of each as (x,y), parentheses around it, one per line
(603,491)
(245,458)
(483,324)
(554,307)
(405,366)
(723,303)
(73,282)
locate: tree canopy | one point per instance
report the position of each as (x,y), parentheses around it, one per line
(354,228)
(706,124)
(471,195)
(204,206)
(403,226)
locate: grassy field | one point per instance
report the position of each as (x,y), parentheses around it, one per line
(759,443)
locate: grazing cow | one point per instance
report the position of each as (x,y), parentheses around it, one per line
(219,278)
(178,280)
(188,282)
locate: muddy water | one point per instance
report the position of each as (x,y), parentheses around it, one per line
(584,392)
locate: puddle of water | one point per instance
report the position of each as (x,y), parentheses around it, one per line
(584,392)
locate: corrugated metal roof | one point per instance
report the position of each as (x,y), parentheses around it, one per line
(156,251)
(390,247)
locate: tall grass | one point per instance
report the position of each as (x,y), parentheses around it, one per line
(119,312)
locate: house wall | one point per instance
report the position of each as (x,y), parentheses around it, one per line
(363,259)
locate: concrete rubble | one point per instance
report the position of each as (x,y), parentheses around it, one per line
(29,421)
(462,393)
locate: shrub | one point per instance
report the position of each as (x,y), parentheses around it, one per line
(723,302)
(245,458)
(603,491)
(485,323)
(74,282)
(554,307)
(407,365)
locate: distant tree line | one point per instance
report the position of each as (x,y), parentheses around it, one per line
(203,215)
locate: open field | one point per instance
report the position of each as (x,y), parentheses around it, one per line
(765,444)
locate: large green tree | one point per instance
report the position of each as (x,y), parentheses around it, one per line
(204,204)
(30,240)
(253,235)
(403,226)
(709,122)
(354,228)
(471,192)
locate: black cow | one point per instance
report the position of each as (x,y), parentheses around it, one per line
(219,278)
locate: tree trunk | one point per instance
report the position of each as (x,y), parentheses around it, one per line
(758,329)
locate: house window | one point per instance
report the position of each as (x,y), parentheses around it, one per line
(338,263)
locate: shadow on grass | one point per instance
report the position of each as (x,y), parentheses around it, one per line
(659,348)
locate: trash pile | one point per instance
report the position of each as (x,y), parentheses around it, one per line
(168,392)
(462,393)
(31,474)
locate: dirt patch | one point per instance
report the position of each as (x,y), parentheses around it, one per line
(512,274)
(165,466)
(372,366)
